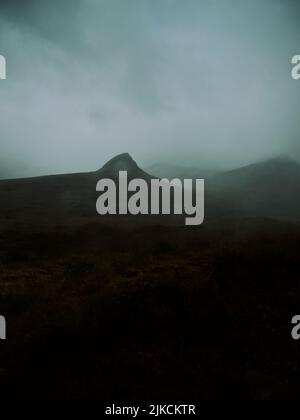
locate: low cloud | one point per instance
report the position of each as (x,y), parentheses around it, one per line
(190,82)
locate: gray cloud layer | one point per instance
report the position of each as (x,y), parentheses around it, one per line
(166,80)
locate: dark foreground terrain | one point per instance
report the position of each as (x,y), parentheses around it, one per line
(145,309)
(150,313)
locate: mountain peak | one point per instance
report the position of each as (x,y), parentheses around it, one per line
(122,162)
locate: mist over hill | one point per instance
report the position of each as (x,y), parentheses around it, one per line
(171,171)
(267,189)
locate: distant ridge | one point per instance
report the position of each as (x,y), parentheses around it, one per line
(282,167)
(171,171)
(269,189)
(279,162)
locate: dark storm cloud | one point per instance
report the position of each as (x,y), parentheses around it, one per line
(165,79)
(36,13)
(56,21)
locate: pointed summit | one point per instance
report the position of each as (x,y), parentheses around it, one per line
(122,162)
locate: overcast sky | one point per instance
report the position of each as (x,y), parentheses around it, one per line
(203,82)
